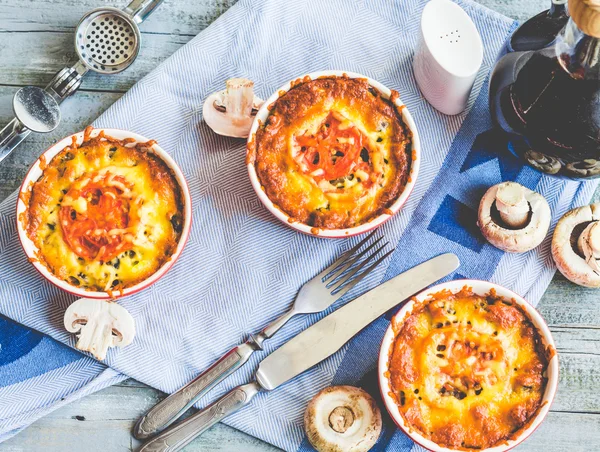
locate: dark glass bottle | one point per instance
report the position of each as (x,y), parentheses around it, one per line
(548,101)
(542,29)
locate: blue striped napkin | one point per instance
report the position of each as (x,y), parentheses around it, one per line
(242,268)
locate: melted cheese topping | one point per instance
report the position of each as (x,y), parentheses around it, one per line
(105,216)
(467,371)
(333,153)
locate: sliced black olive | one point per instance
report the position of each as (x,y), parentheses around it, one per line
(64,190)
(131,253)
(416,391)
(81,259)
(439,325)
(51,226)
(440,355)
(135,263)
(116,262)
(81,275)
(113,149)
(350,177)
(402,398)
(68,156)
(339,154)
(386,161)
(73,281)
(379,139)
(316,159)
(364,154)
(478,391)
(177,223)
(73,215)
(459,394)
(441,348)
(115,283)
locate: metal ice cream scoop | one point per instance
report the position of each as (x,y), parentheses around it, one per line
(107,41)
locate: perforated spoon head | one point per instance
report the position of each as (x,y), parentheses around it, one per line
(107,40)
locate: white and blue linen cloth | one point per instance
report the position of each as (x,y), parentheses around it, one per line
(242,267)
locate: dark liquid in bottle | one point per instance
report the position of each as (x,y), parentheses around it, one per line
(552,116)
(540,30)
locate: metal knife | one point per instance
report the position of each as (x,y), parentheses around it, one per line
(308,348)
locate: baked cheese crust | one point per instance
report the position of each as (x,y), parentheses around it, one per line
(467,371)
(105,215)
(333,153)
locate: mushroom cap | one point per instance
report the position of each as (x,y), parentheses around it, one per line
(101,324)
(573,266)
(515,240)
(342,419)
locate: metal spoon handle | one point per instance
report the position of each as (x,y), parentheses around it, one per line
(11,136)
(139,10)
(177,437)
(170,409)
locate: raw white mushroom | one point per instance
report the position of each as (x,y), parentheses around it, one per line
(101,324)
(231,112)
(576,245)
(342,419)
(523,217)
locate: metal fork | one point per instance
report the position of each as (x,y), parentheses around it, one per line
(316,295)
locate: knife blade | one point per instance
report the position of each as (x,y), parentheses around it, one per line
(308,348)
(330,334)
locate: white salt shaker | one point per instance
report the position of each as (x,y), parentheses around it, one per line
(448,56)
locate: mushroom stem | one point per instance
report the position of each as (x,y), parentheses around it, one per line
(512,205)
(341,419)
(589,245)
(240,97)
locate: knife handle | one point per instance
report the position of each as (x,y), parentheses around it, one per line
(170,409)
(181,434)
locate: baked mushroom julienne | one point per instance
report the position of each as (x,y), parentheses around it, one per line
(576,245)
(467,371)
(342,419)
(513,218)
(105,214)
(333,152)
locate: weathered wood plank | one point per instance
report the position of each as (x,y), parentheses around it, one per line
(60,435)
(41,54)
(562,432)
(174,17)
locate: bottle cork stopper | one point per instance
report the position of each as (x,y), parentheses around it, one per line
(586,14)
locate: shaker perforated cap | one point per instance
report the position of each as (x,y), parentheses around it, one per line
(586,14)
(449,55)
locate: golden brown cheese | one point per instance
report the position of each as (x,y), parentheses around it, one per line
(467,371)
(333,153)
(105,215)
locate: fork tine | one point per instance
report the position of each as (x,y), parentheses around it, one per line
(347,278)
(344,256)
(343,267)
(343,290)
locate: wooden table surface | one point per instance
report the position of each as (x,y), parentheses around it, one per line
(36,40)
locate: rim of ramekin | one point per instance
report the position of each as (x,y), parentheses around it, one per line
(479,287)
(35,172)
(262,115)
